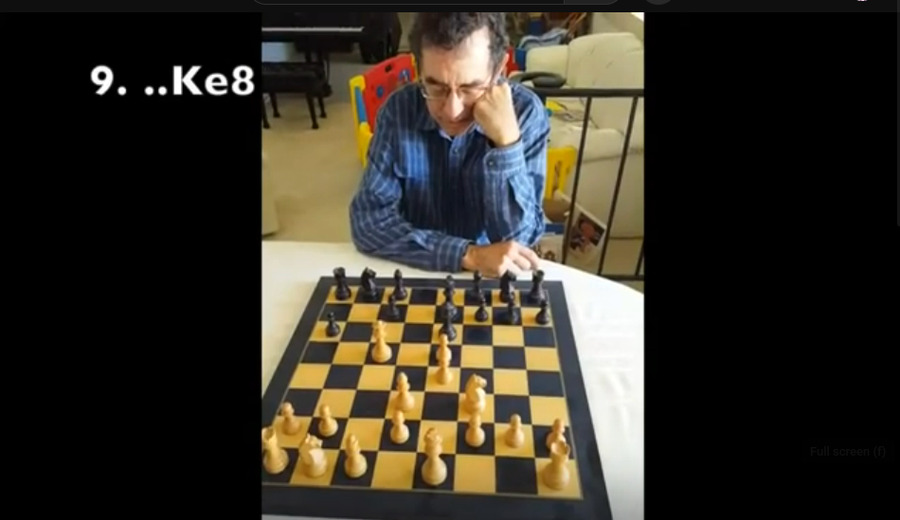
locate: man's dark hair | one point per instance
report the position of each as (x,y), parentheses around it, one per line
(448,30)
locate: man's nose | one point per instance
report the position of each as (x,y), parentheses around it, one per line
(454,105)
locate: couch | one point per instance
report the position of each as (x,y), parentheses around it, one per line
(605,60)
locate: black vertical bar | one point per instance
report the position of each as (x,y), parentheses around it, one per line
(615,199)
(575,182)
(640,262)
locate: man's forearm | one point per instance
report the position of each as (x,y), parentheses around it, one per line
(512,201)
(396,240)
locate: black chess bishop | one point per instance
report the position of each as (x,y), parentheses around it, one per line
(448,328)
(399,288)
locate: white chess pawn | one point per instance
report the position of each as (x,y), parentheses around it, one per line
(290,423)
(475,433)
(515,437)
(405,401)
(557,433)
(399,431)
(327,425)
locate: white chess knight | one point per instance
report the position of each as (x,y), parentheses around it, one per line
(312,457)
(475,394)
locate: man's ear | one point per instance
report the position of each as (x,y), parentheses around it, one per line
(503,63)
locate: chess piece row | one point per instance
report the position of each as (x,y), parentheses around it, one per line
(368,287)
(370,293)
(313,463)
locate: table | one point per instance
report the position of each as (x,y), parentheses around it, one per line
(607,320)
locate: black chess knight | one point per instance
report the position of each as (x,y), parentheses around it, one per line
(367,285)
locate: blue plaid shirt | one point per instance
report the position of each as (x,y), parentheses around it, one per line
(424,197)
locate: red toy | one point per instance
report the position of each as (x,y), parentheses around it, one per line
(384,78)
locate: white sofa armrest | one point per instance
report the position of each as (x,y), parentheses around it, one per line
(599,143)
(553,59)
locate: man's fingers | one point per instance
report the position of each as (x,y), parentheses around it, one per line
(509,265)
(521,261)
(532,257)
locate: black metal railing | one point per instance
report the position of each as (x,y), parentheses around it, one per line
(589,94)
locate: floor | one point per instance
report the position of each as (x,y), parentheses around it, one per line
(315,172)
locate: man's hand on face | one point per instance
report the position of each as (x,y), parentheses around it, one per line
(497,116)
(495,259)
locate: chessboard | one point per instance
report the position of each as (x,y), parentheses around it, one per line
(427,398)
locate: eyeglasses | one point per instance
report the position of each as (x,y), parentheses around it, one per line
(467,94)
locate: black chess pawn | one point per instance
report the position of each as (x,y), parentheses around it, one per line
(542,316)
(393,313)
(448,329)
(449,285)
(481,314)
(342,291)
(333,329)
(512,314)
(476,285)
(399,289)
(537,287)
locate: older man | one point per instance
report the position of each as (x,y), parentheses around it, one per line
(456,168)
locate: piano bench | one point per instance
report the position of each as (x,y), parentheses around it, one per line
(294,78)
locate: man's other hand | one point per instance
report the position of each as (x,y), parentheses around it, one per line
(497,116)
(495,259)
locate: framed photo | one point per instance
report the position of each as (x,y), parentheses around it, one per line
(586,236)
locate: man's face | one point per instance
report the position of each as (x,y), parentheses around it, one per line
(455,80)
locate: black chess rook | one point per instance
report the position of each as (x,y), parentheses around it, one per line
(536,295)
(342,289)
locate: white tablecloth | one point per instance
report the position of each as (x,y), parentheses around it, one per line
(607,319)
